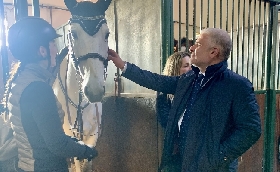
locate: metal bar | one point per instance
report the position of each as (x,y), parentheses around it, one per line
(180,29)
(232,31)
(260,92)
(36,8)
(238,25)
(42,6)
(278,73)
(21,9)
(194,20)
(208,12)
(118,77)
(243,35)
(164,33)
(16,10)
(171,31)
(215,12)
(4,50)
(274,42)
(201,14)
(51,15)
(221,14)
(264,47)
(227,14)
(254,42)
(187,24)
(248,43)
(270,110)
(259,39)
(167,29)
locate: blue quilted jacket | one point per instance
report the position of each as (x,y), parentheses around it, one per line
(224,124)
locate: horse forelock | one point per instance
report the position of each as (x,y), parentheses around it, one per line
(88,9)
(90,15)
(91,27)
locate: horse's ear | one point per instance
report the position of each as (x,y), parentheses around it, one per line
(70,4)
(103,4)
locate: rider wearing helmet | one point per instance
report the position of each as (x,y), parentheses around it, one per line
(30,35)
(31,104)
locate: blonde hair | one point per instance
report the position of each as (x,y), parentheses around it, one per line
(17,67)
(174,63)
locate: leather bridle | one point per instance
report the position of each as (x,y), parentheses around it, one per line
(78,125)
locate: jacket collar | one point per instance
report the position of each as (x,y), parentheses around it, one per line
(40,71)
(211,70)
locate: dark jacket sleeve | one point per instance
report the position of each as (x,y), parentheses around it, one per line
(165,84)
(247,123)
(39,100)
(163,105)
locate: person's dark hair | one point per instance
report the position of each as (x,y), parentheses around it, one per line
(175,45)
(175,42)
(183,41)
(191,42)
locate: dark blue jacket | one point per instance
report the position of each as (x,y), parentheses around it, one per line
(163,105)
(224,124)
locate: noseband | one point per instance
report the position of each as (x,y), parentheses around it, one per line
(78,60)
(90,55)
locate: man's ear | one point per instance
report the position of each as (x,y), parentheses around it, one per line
(215,52)
(42,51)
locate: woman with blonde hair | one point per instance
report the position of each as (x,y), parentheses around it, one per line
(176,65)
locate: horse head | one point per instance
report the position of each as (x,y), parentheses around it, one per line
(88,44)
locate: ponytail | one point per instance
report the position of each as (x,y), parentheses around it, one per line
(17,67)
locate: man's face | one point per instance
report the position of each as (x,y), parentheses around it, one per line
(53,52)
(201,51)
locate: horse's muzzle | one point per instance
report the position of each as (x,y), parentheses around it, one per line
(93,97)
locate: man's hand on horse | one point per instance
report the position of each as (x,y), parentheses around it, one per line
(112,55)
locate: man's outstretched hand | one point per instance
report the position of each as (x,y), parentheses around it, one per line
(112,55)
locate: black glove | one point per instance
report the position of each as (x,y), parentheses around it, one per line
(90,153)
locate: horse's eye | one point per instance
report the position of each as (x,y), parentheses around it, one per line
(74,35)
(107,36)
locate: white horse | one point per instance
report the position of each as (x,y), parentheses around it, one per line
(81,74)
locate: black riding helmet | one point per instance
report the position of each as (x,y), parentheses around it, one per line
(27,35)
